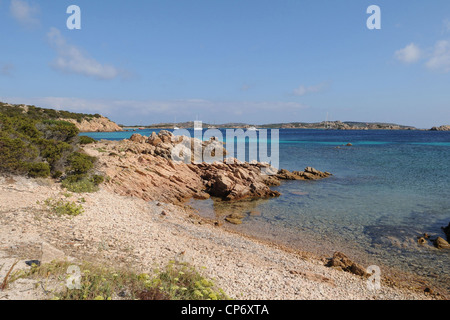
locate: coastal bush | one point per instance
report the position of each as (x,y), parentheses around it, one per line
(59,130)
(80,184)
(86,140)
(36,142)
(80,163)
(39,170)
(64,208)
(181,282)
(14,154)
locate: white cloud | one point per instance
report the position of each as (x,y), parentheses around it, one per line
(446,25)
(440,58)
(71,59)
(24,12)
(410,54)
(304,90)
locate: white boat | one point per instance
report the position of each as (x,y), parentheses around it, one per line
(252,129)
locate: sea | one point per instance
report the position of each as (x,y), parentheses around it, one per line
(388,188)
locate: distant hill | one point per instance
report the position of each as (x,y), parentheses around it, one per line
(333,125)
(83,122)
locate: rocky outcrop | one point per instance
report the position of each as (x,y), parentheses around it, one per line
(143,167)
(441,128)
(341,261)
(100,124)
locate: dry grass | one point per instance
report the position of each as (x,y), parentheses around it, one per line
(5,282)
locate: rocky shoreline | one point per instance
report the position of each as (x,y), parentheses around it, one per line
(128,232)
(142,167)
(139,220)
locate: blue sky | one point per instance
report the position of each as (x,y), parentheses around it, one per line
(256,61)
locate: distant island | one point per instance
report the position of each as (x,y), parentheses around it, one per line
(331,125)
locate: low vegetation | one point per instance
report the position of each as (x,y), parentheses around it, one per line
(35,142)
(63,207)
(177,281)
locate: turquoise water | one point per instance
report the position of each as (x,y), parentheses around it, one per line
(387,189)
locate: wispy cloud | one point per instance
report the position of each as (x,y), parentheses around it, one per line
(7,69)
(410,54)
(446,25)
(304,90)
(71,59)
(440,58)
(25,12)
(151,110)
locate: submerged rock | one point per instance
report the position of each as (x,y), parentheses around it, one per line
(234,219)
(343,262)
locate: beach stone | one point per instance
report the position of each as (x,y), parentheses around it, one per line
(422,240)
(440,243)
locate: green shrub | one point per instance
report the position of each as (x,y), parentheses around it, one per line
(97,180)
(39,170)
(64,208)
(86,140)
(183,282)
(13,155)
(36,142)
(60,130)
(81,163)
(79,184)
(57,174)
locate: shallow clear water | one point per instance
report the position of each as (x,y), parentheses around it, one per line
(387,189)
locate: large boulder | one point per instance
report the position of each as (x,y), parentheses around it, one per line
(222,186)
(138,138)
(154,140)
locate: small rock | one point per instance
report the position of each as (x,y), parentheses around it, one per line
(33,262)
(428,290)
(422,241)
